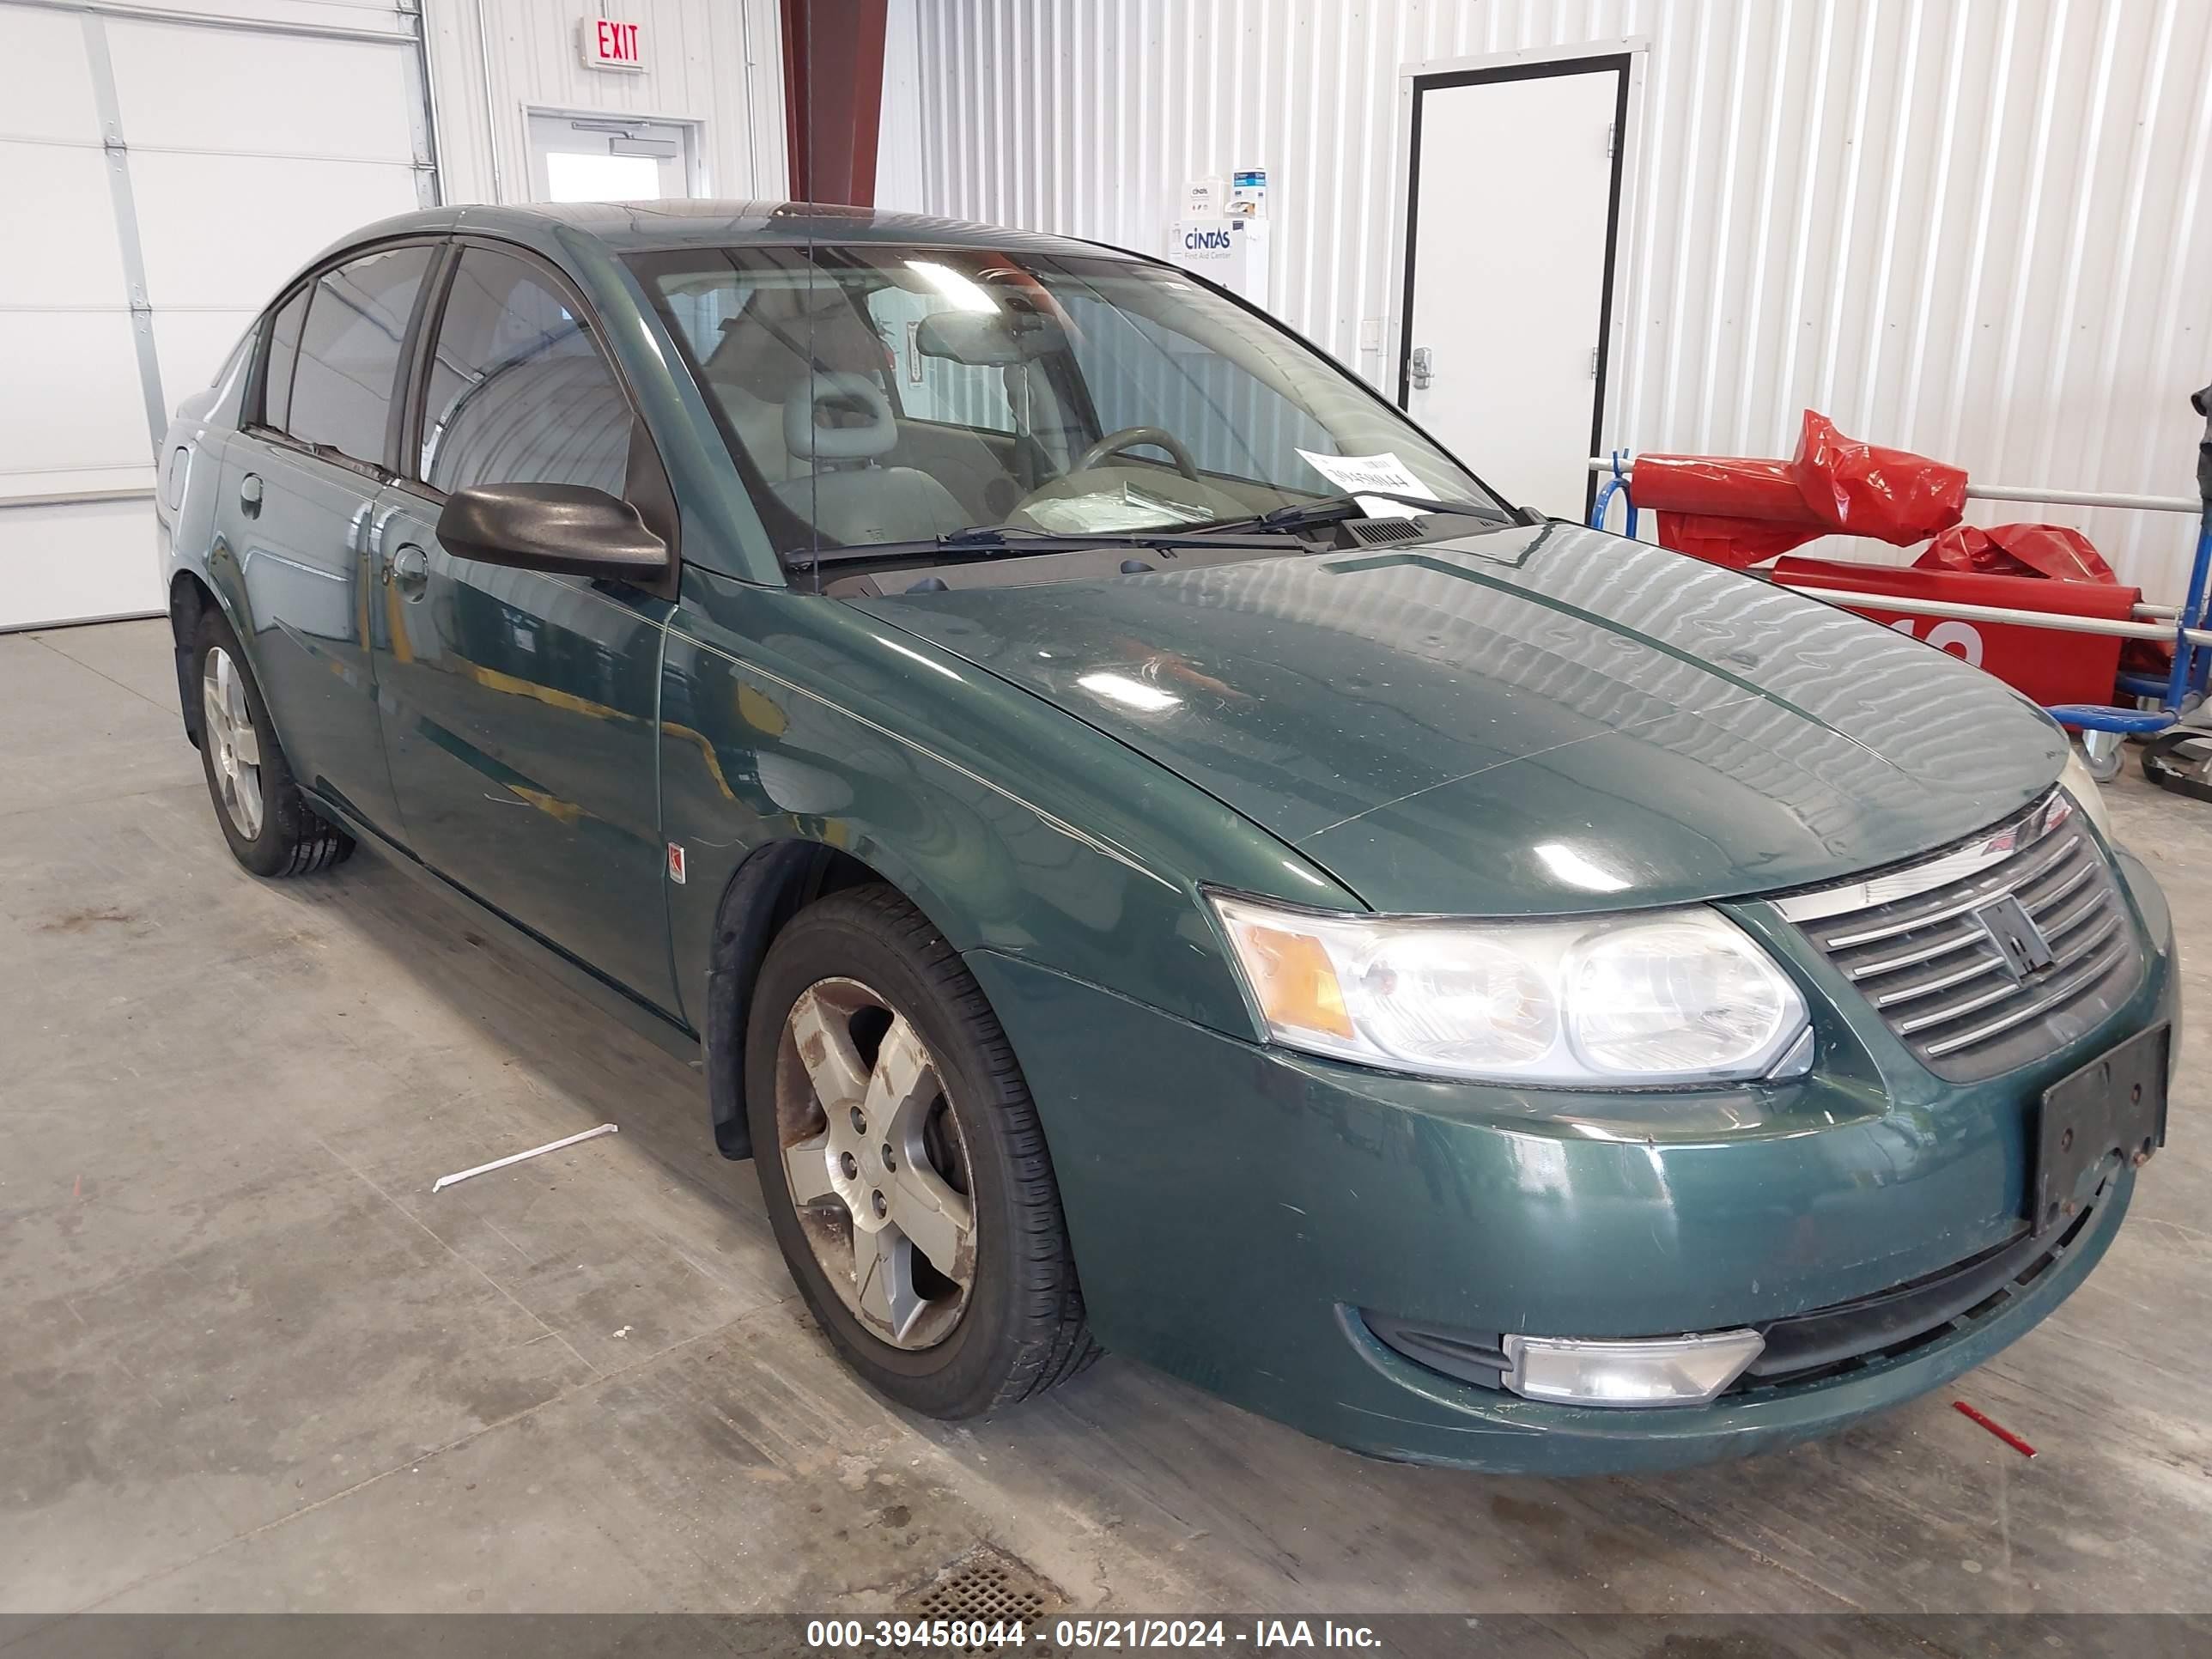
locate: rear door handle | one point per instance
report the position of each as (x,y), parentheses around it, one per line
(249,494)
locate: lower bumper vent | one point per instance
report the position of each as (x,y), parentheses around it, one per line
(1807,1347)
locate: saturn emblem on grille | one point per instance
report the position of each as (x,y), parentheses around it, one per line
(2020,946)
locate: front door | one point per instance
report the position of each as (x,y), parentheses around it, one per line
(1514,205)
(521,710)
(298,485)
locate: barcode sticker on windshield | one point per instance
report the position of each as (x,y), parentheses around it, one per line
(1354,473)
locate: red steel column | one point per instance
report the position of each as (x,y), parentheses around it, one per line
(833,97)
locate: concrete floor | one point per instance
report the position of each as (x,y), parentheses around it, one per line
(248,1361)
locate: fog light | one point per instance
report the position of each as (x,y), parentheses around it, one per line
(1668,1371)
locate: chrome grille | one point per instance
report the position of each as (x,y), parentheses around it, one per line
(1911,941)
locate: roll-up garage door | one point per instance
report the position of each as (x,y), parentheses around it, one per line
(161,171)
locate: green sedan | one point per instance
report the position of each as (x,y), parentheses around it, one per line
(1148,853)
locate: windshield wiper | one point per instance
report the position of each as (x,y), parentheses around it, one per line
(1017,537)
(1333,509)
(998,541)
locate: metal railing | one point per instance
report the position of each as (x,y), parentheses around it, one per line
(2153,622)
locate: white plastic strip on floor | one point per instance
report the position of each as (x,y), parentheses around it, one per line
(535,1152)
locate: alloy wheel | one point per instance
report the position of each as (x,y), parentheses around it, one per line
(236,753)
(876,1163)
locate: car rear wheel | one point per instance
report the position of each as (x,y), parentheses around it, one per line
(270,828)
(905,1172)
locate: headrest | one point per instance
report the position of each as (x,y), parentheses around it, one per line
(765,349)
(845,418)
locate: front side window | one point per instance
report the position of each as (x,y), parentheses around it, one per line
(345,382)
(876,393)
(518,391)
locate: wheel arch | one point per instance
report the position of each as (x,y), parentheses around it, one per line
(774,884)
(191,596)
(193,593)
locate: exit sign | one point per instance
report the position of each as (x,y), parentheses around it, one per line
(609,44)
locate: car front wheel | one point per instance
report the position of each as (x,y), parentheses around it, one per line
(905,1172)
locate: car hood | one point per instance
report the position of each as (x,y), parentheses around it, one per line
(1534,719)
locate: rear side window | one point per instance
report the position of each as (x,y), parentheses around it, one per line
(518,391)
(343,385)
(283,353)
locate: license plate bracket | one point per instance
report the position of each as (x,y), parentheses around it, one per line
(2115,1105)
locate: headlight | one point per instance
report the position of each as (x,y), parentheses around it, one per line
(2076,782)
(1670,996)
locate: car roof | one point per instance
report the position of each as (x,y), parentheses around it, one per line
(637,227)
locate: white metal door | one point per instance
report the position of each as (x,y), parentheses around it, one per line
(160,176)
(1510,233)
(598,158)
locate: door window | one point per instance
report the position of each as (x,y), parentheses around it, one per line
(283,353)
(520,392)
(342,386)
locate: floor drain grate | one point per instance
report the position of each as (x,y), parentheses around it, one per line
(986,1586)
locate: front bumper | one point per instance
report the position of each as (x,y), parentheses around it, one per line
(1233,1206)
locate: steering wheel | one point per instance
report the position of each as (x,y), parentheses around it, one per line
(1130,437)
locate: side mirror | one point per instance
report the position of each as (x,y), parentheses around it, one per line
(567,529)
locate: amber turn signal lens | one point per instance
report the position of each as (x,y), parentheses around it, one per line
(1294,980)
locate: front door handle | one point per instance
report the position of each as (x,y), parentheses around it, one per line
(408,571)
(249,494)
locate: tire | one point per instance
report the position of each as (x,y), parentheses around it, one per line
(868,964)
(270,828)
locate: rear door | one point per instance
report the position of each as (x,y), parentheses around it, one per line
(521,710)
(295,505)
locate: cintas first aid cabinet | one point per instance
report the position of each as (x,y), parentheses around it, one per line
(1230,252)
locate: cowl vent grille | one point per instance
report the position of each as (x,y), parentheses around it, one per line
(1368,532)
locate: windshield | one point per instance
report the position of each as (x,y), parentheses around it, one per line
(875,393)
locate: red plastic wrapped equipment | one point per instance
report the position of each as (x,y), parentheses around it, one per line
(2049,550)
(1741,513)
(2018,549)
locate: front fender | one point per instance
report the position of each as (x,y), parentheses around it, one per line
(788,717)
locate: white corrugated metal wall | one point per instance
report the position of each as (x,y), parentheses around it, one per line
(1972,228)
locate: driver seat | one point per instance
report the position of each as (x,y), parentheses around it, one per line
(841,423)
